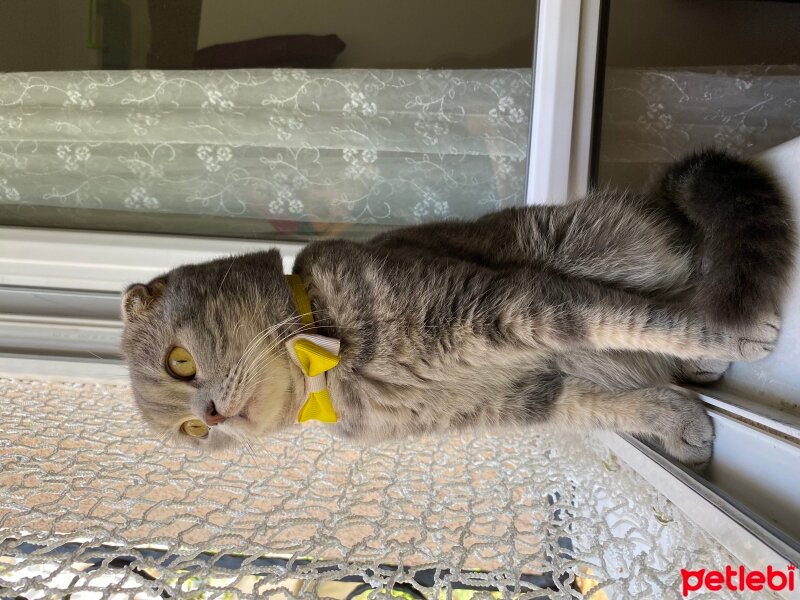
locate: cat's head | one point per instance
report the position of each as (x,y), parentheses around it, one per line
(204,347)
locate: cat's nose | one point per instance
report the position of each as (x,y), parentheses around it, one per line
(212,417)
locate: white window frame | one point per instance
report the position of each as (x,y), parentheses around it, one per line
(559,161)
(564,67)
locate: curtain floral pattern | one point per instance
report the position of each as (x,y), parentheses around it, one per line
(342,146)
(652,117)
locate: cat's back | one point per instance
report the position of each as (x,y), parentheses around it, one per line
(613,239)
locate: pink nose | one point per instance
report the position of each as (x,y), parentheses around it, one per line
(212,417)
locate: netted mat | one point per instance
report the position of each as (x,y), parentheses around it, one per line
(92,506)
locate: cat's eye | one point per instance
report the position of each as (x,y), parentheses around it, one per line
(194,428)
(180,363)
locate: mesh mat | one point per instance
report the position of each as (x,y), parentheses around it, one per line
(92,507)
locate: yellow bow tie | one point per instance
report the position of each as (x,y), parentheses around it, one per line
(315,355)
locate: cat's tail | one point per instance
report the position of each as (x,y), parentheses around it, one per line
(743,230)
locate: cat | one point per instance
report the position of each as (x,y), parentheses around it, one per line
(578,317)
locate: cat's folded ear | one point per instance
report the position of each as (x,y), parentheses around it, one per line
(140,297)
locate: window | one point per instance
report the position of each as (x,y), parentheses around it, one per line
(402,118)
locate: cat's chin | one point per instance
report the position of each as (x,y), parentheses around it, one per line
(261,415)
(261,411)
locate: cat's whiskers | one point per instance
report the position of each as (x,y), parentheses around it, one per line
(102,358)
(242,374)
(260,336)
(165,439)
(247,376)
(250,348)
(234,372)
(262,374)
(237,374)
(256,358)
(254,376)
(244,440)
(242,322)
(254,373)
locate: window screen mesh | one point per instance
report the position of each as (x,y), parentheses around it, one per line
(91,505)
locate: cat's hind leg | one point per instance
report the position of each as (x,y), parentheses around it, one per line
(674,417)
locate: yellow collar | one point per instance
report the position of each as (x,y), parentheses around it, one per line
(314,355)
(301,300)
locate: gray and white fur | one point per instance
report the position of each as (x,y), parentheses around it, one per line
(575,317)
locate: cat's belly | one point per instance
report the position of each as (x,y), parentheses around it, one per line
(398,400)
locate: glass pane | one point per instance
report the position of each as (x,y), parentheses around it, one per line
(286,123)
(684,76)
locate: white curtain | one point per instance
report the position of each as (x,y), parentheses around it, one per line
(652,117)
(336,146)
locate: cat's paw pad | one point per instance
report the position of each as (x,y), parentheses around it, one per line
(758,341)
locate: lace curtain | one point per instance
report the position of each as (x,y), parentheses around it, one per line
(336,146)
(654,116)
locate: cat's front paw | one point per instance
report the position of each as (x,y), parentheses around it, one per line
(757,341)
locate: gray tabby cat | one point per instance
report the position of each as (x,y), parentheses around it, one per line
(573,317)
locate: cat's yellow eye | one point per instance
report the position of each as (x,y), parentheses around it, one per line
(180,363)
(195,428)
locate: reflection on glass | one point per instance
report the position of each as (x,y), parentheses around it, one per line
(680,77)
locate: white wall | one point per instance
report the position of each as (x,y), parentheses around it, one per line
(775,380)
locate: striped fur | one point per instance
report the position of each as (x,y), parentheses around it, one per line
(577,316)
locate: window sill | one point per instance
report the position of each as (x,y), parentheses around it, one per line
(108,262)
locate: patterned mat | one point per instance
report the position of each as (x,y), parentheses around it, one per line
(93,506)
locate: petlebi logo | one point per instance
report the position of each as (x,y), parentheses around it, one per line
(737,579)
